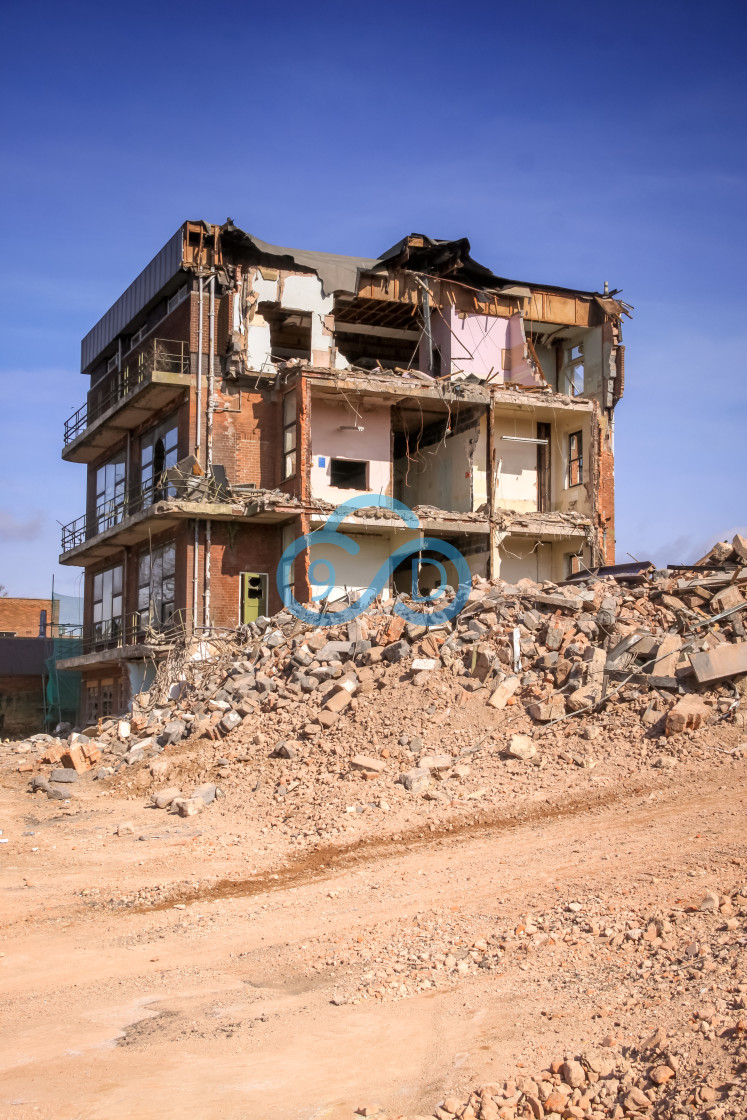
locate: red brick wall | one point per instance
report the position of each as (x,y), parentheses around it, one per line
(21,706)
(255,548)
(21,616)
(606,493)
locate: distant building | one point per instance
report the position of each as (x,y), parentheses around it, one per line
(27,627)
(283,382)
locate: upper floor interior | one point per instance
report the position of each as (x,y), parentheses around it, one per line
(423,306)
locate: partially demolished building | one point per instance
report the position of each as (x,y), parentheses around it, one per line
(240,391)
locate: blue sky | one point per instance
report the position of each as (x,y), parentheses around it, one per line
(571,143)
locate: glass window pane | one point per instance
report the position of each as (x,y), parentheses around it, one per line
(98,583)
(169,559)
(144,569)
(289,439)
(289,408)
(117,578)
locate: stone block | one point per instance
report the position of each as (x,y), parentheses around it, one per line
(415,781)
(503,693)
(163,799)
(688,714)
(364,762)
(338,701)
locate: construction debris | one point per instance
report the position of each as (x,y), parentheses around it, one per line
(541,653)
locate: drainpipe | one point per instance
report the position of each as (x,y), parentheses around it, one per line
(198,421)
(211,377)
(208,538)
(195,574)
(209,442)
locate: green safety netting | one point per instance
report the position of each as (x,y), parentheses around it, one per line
(63,686)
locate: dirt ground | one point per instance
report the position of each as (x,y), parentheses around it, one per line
(181,966)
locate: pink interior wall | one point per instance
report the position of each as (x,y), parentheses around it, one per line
(329,440)
(472,345)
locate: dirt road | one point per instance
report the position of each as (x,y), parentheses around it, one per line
(313,988)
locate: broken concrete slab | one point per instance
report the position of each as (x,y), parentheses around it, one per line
(667,655)
(725,661)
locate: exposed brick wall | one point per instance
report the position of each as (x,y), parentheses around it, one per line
(21,616)
(606,492)
(21,706)
(248,435)
(254,548)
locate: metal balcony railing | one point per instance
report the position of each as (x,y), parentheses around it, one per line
(135,628)
(160,355)
(128,502)
(171,483)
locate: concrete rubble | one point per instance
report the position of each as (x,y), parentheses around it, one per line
(537,656)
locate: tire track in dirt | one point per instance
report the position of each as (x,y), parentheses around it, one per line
(324,863)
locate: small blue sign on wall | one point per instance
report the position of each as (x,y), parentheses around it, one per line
(322,461)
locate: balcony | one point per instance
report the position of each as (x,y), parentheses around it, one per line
(127,518)
(155,376)
(120,637)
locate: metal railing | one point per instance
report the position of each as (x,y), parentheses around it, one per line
(133,500)
(171,483)
(135,628)
(160,355)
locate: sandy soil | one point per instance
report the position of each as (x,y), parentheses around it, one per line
(283,984)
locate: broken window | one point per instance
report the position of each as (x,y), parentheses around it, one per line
(107,605)
(573,370)
(289,434)
(155,596)
(572,564)
(158,452)
(348,474)
(107,697)
(575,459)
(290,332)
(92,701)
(110,493)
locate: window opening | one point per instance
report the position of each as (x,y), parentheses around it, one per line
(572,564)
(107,698)
(575,459)
(155,596)
(110,493)
(107,605)
(289,434)
(92,701)
(574,370)
(158,452)
(348,474)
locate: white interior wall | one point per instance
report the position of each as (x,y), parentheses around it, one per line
(442,473)
(568,498)
(524,558)
(516,474)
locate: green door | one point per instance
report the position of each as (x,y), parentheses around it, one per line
(253,596)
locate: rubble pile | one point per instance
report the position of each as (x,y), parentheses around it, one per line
(659,651)
(686,962)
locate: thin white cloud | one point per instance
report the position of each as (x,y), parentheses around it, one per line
(13,528)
